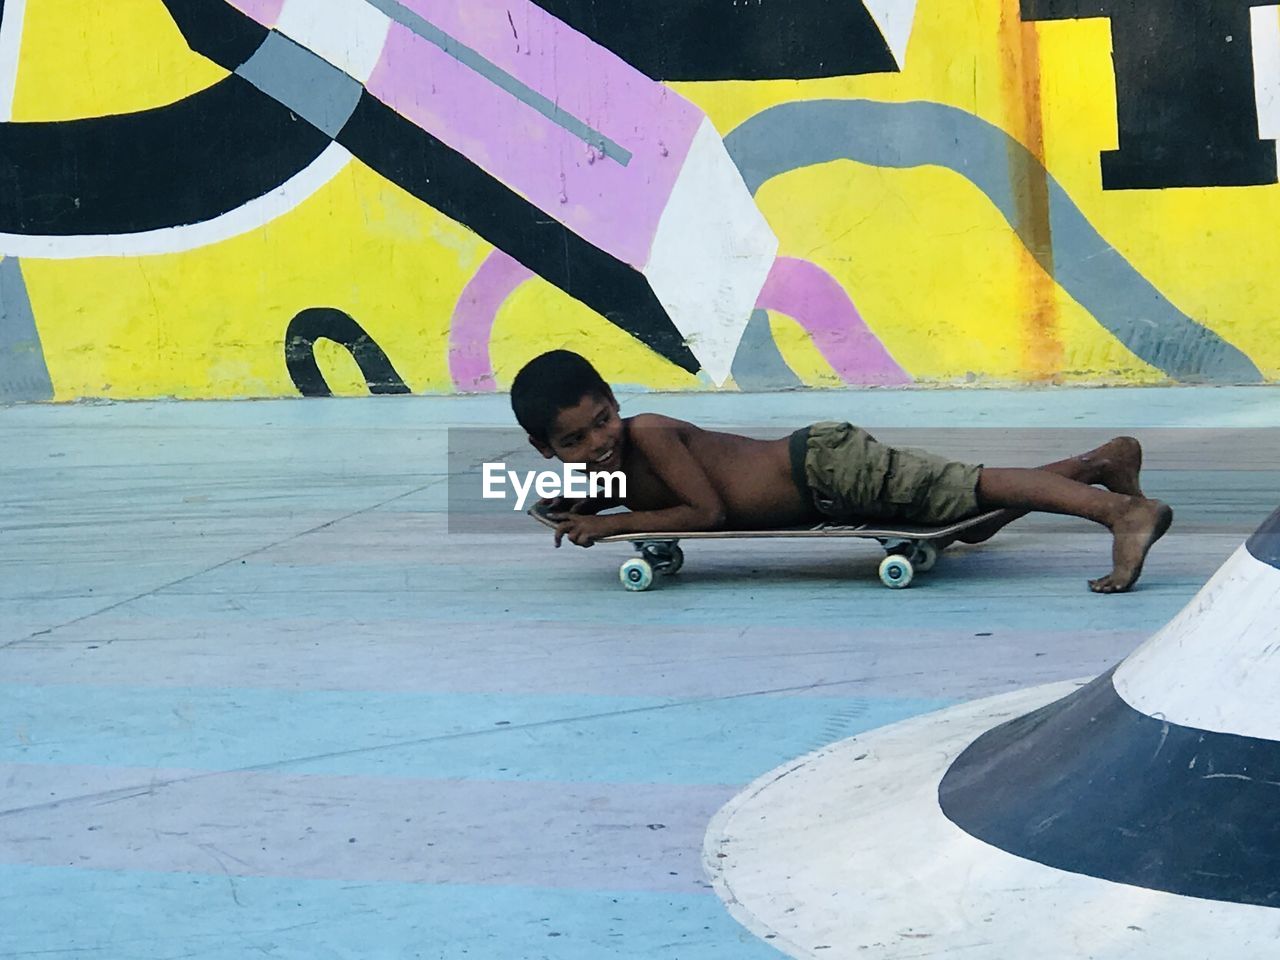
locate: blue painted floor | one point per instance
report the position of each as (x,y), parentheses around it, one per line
(274,680)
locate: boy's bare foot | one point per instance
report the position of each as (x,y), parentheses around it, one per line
(1134,531)
(1119,463)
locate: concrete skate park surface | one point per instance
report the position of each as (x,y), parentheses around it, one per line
(273,681)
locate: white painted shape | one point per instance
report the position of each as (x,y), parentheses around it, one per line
(845,854)
(1216,665)
(350,34)
(895,19)
(15,12)
(247,217)
(1265,30)
(711,254)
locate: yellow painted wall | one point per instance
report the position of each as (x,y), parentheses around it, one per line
(938,274)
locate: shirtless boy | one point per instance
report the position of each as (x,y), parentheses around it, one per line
(681,477)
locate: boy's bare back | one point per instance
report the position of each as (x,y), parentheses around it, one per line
(751,478)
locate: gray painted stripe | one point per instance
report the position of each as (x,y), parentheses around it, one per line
(758,365)
(313,88)
(505,81)
(24,375)
(795,135)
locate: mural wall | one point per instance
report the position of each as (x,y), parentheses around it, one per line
(231,198)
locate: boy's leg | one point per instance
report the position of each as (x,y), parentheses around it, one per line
(1134,521)
(1116,465)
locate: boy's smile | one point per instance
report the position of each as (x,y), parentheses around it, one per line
(590,432)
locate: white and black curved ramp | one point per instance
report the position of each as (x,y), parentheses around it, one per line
(1134,816)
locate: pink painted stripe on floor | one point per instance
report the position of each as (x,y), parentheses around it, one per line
(257,824)
(454,655)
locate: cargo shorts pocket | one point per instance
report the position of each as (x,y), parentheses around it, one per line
(845,468)
(926,488)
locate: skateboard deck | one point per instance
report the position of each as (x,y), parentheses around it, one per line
(910,548)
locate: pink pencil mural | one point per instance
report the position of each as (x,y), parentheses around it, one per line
(562,144)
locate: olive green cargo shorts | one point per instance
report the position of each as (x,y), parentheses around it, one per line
(852,476)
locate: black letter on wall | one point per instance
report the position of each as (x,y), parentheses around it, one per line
(330,324)
(1184,91)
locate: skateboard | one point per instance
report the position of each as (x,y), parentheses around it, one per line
(909,549)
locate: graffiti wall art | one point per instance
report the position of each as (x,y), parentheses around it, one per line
(252,198)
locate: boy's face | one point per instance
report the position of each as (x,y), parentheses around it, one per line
(590,432)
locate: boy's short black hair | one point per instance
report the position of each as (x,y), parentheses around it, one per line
(551,383)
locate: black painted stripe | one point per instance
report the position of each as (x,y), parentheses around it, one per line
(1186,111)
(733,40)
(1265,542)
(186,162)
(329,323)
(407,155)
(217,30)
(1094,787)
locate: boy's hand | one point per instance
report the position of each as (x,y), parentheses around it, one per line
(562,507)
(583,530)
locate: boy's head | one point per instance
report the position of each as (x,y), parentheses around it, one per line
(567,409)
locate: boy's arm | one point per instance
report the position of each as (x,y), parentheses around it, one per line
(700,506)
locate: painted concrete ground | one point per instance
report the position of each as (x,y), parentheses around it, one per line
(257,698)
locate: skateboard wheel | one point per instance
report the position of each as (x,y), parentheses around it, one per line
(896,572)
(636,574)
(926,557)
